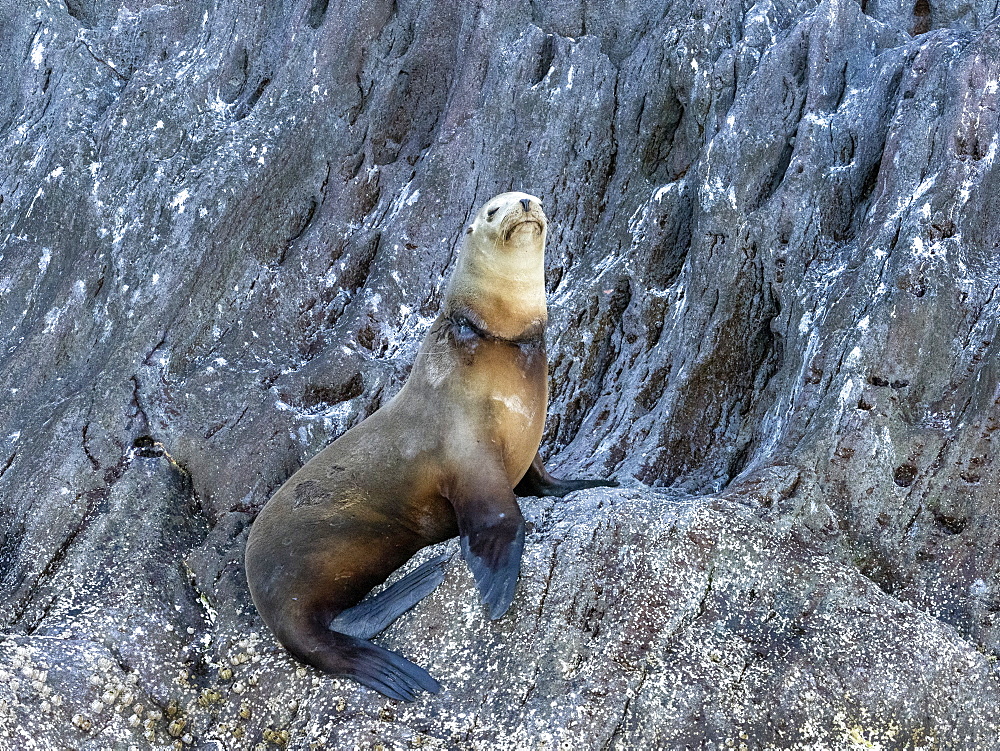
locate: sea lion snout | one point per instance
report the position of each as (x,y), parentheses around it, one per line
(523,213)
(507,209)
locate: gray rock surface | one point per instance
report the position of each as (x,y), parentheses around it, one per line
(774,289)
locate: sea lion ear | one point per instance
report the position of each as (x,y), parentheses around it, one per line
(468,230)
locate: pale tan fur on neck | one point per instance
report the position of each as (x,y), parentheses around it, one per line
(503,282)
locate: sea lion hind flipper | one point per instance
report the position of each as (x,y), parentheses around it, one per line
(388,673)
(492,542)
(374,614)
(538,482)
(369,664)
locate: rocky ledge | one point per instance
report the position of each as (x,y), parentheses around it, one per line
(773,274)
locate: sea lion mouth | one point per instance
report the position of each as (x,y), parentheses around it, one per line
(523,224)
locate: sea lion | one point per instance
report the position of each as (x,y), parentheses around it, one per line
(445,456)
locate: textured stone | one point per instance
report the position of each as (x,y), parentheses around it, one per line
(774,296)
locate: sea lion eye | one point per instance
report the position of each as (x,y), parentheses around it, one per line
(490,213)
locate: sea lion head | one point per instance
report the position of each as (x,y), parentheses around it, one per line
(500,275)
(509,220)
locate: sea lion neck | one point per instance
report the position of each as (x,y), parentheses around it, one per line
(503,286)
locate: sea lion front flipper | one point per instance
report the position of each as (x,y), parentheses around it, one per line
(494,557)
(538,482)
(375,613)
(491,529)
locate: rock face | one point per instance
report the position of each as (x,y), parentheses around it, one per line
(774,276)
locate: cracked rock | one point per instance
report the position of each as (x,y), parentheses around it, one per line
(773,286)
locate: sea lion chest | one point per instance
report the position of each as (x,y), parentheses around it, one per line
(495,388)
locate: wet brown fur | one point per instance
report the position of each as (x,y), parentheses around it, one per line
(462,431)
(364,505)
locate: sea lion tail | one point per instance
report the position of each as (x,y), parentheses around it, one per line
(368,664)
